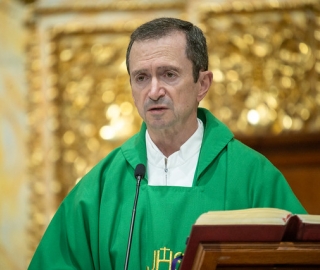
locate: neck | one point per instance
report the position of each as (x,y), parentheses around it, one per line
(169,141)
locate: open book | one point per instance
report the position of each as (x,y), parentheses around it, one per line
(245,216)
(251,225)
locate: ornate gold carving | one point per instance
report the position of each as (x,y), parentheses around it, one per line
(92,108)
(117,5)
(35,143)
(265,61)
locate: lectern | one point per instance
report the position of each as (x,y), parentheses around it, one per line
(253,255)
(256,238)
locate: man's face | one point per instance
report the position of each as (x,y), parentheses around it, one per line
(162,83)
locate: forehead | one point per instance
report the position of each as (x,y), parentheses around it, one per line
(174,36)
(171,47)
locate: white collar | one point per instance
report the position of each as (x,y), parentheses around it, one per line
(187,155)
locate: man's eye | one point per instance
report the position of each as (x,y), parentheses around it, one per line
(140,78)
(170,75)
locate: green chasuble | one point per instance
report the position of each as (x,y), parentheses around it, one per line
(91,227)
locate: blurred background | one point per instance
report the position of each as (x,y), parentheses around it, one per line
(66,101)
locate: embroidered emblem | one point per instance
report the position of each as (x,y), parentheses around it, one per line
(163,258)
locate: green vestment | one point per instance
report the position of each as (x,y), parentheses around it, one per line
(91,227)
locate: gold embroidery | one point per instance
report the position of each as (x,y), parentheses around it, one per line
(164,260)
(163,256)
(154,259)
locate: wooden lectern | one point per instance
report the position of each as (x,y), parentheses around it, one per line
(286,241)
(253,255)
(256,238)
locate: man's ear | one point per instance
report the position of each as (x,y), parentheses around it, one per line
(205,80)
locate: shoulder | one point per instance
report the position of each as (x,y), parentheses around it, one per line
(243,156)
(111,169)
(91,184)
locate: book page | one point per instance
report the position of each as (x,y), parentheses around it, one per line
(245,216)
(312,219)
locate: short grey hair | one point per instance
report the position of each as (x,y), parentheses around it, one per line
(196,48)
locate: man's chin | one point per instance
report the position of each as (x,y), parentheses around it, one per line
(158,124)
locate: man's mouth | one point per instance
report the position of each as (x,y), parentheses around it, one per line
(157,109)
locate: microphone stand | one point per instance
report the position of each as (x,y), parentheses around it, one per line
(139,177)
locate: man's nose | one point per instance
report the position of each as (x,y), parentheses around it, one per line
(156,90)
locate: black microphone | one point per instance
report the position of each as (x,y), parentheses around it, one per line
(139,173)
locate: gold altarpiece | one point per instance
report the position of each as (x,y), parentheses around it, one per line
(265,57)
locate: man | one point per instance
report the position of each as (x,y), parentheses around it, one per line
(193,163)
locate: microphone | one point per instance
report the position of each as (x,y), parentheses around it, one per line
(139,173)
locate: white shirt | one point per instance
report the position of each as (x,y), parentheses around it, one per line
(179,168)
